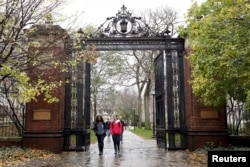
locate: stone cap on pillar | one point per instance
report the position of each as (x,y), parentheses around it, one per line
(46,29)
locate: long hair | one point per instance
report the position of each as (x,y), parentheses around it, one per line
(97,120)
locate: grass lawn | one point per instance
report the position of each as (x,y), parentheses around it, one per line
(93,138)
(145,134)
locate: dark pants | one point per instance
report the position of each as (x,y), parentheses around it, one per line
(100,139)
(116,140)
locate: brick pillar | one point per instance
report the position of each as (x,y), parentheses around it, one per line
(44,121)
(204,124)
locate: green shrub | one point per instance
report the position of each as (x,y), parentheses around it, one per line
(212,146)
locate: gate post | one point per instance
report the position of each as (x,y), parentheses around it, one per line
(204,124)
(169,89)
(44,121)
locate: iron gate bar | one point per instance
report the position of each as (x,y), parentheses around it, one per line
(160,101)
(169,89)
(87,104)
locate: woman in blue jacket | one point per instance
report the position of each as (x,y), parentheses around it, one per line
(100,131)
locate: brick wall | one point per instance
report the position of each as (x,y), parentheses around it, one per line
(202,130)
(43,132)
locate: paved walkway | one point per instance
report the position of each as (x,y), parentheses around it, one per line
(135,152)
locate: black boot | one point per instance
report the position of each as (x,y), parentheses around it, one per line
(100,149)
(115,149)
(118,148)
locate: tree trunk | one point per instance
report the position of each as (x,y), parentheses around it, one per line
(147,115)
(139,124)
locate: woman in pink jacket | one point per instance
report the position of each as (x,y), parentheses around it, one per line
(116,130)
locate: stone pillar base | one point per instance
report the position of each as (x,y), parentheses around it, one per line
(52,141)
(196,139)
(11,141)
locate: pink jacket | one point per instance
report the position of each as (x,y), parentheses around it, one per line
(115,127)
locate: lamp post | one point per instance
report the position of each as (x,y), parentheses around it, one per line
(153,94)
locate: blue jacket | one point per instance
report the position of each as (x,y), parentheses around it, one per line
(95,128)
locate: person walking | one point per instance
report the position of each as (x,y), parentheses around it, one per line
(107,124)
(116,130)
(100,131)
(123,124)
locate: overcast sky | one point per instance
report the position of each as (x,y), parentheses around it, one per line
(95,12)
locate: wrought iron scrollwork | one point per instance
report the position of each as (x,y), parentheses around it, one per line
(124,25)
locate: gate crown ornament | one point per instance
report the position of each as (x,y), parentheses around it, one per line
(123,25)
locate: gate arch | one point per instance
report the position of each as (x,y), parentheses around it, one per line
(126,32)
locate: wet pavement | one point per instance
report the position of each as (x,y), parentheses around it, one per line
(134,152)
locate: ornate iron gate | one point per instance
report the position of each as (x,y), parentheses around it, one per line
(124,32)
